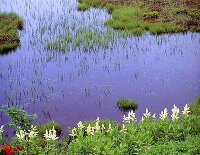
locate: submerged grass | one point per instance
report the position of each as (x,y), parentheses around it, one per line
(159,16)
(9,24)
(87,38)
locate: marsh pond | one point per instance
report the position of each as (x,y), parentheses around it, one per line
(70,66)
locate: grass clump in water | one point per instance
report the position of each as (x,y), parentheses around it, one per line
(86,38)
(126,104)
(9,24)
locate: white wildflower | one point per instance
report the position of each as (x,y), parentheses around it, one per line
(123,128)
(164,114)
(154,116)
(80,125)
(130,118)
(97,120)
(89,130)
(1,129)
(146,115)
(103,127)
(97,127)
(21,135)
(109,127)
(33,132)
(186,110)
(175,112)
(73,133)
(51,134)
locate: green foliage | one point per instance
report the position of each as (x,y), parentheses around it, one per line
(195,106)
(82,7)
(9,24)
(91,3)
(82,37)
(151,15)
(41,128)
(19,117)
(125,104)
(34,146)
(194,14)
(110,8)
(147,136)
(139,17)
(105,122)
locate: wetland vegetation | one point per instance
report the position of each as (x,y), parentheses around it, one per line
(60,90)
(177,133)
(156,16)
(9,24)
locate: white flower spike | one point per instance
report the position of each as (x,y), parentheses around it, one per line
(51,134)
(21,135)
(73,134)
(33,132)
(89,130)
(1,129)
(164,114)
(80,125)
(186,110)
(175,113)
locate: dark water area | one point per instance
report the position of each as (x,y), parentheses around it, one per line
(155,71)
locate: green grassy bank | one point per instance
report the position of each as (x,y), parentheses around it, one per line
(9,24)
(156,16)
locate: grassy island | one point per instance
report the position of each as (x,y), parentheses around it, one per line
(9,24)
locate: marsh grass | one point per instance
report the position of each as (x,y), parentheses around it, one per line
(165,16)
(9,24)
(126,104)
(87,38)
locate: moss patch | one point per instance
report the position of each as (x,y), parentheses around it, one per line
(158,16)
(9,24)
